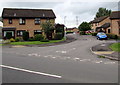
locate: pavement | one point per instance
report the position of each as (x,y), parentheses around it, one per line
(64,63)
(104,50)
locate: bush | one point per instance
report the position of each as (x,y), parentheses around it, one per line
(31,39)
(58,36)
(69,32)
(82,33)
(38,37)
(94,34)
(112,36)
(12,40)
(8,35)
(45,40)
(25,36)
(17,39)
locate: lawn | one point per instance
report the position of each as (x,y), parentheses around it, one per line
(115,47)
(34,42)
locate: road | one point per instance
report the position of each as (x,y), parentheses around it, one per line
(66,63)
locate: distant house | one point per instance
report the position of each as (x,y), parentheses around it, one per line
(115,22)
(99,24)
(74,29)
(16,21)
(107,24)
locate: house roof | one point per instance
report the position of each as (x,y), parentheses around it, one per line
(97,20)
(115,15)
(106,25)
(27,13)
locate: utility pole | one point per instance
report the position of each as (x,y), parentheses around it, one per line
(64,27)
(64,20)
(76,20)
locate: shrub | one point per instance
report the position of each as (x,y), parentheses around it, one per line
(31,39)
(17,39)
(112,36)
(101,56)
(68,32)
(12,40)
(94,34)
(38,37)
(58,36)
(8,35)
(45,40)
(25,36)
(82,33)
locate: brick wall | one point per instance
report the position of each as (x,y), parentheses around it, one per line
(29,25)
(115,27)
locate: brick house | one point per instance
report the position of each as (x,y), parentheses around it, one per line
(115,22)
(16,21)
(107,24)
(74,29)
(101,24)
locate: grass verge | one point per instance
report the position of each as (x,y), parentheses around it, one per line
(115,47)
(35,42)
(101,56)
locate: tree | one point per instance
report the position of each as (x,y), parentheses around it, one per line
(84,26)
(103,12)
(48,29)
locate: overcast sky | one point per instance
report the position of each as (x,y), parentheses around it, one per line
(67,12)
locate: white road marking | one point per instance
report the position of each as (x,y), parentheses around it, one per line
(64,52)
(68,57)
(85,60)
(30,71)
(61,51)
(98,61)
(109,63)
(77,58)
(53,57)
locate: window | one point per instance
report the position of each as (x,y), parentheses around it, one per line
(48,20)
(108,30)
(22,21)
(20,32)
(119,30)
(95,24)
(10,21)
(37,21)
(37,32)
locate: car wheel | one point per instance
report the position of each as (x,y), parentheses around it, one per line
(98,38)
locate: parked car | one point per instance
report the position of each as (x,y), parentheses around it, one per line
(101,35)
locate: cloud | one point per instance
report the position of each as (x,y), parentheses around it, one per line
(84,11)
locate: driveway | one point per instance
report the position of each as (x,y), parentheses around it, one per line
(65,63)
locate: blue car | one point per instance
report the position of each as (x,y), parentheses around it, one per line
(101,35)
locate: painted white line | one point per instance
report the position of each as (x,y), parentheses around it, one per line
(61,51)
(53,57)
(109,63)
(85,60)
(68,57)
(64,52)
(77,58)
(97,61)
(30,71)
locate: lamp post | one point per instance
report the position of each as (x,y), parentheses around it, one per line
(65,27)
